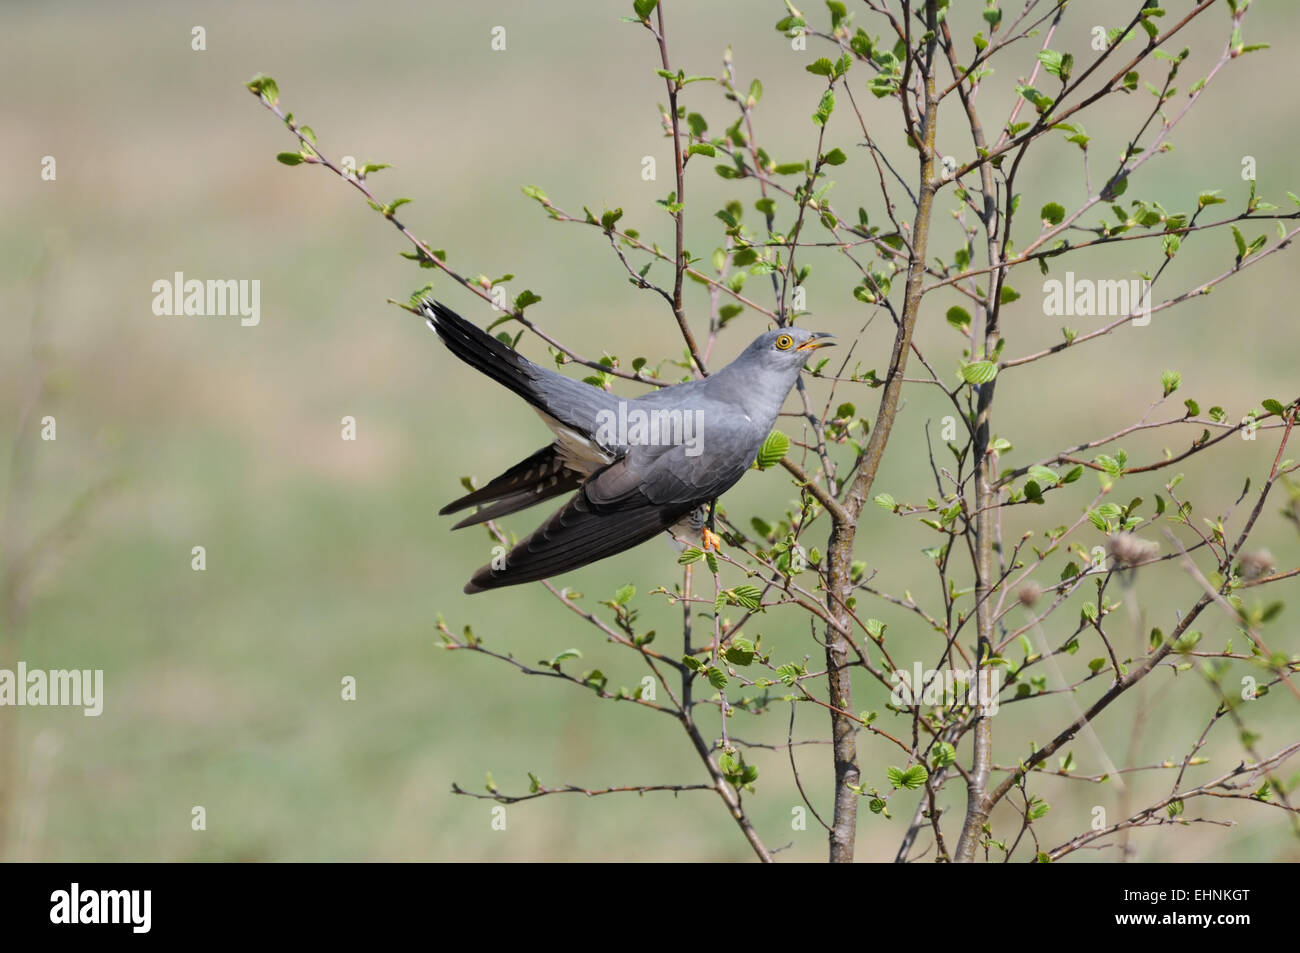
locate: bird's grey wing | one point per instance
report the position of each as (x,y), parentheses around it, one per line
(610,514)
(626,503)
(726,444)
(572,403)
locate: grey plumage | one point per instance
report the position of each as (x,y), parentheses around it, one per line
(629,488)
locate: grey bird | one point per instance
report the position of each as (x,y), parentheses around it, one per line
(638,465)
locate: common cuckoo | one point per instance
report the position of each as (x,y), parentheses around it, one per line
(639,465)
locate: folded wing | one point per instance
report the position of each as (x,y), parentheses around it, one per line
(624,504)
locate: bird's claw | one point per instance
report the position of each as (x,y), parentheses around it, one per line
(712,541)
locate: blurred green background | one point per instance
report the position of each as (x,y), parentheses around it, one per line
(326,558)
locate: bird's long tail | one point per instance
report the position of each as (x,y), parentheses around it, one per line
(483,352)
(575,535)
(541,476)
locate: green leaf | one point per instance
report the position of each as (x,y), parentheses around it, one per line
(264,86)
(1240,242)
(824,108)
(835,157)
(740,652)
(1274,407)
(717,677)
(1040,101)
(1170,381)
(526,298)
(1053,213)
(1044,475)
(821,67)
(643,8)
(883,84)
(289,158)
(944,755)
(701,149)
(886,502)
(1079,138)
(980,372)
(747,597)
(625,594)
(1054,62)
(911,779)
(690,555)
(559,657)
(959,318)
(773,450)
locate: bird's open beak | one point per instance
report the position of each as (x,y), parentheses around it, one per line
(819,339)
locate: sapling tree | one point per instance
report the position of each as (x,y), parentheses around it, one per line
(1030,558)
(29,560)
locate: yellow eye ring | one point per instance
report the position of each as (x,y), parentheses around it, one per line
(784,342)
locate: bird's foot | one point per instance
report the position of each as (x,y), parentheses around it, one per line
(712,541)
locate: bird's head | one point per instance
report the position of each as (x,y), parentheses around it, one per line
(787,348)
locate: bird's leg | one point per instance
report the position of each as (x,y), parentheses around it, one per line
(712,541)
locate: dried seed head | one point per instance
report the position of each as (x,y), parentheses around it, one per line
(1129,549)
(1256,564)
(1028,594)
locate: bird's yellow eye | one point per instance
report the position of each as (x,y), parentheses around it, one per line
(784,342)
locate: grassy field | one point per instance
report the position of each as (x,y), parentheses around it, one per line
(325,557)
